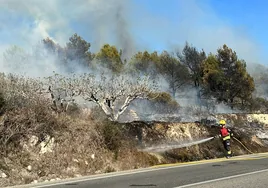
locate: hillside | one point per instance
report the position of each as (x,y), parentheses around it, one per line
(88,144)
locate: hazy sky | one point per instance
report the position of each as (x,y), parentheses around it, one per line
(140,24)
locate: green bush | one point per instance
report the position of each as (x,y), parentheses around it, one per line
(258,105)
(113,135)
(164,102)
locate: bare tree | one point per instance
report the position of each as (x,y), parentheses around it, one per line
(63,90)
(112,93)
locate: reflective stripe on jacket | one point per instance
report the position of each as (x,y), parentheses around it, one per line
(226,137)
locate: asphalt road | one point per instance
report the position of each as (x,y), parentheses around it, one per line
(243,171)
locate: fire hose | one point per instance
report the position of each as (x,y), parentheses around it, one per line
(242,145)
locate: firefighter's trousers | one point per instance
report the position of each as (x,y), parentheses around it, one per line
(227,147)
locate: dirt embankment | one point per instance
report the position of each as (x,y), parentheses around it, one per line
(249,129)
(86,145)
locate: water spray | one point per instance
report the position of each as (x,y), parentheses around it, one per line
(165,147)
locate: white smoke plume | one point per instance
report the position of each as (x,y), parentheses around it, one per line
(25,24)
(126,24)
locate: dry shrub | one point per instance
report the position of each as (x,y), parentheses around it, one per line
(186,154)
(73,110)
(97,115)
(131,158)
(112,134)
(2,103)
(19,124)
(79,149)
(27,112)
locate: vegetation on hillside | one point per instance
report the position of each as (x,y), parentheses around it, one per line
(221,77)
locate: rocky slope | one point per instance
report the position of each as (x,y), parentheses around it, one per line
(90,146)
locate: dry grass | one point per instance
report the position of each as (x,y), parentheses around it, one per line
(82,147)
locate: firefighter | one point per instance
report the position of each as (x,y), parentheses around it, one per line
(226,135)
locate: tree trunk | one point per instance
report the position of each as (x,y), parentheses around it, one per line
(232,103)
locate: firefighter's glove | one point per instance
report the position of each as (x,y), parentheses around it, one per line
(216,136)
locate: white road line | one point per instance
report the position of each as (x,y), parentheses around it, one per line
(225,178)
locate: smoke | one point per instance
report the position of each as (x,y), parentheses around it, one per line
(125,40)
(128,25)
(58,18)
(260,74)
(25,24)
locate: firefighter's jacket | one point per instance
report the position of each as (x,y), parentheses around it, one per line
(225,133)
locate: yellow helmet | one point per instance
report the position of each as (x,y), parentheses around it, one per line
(222,122)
